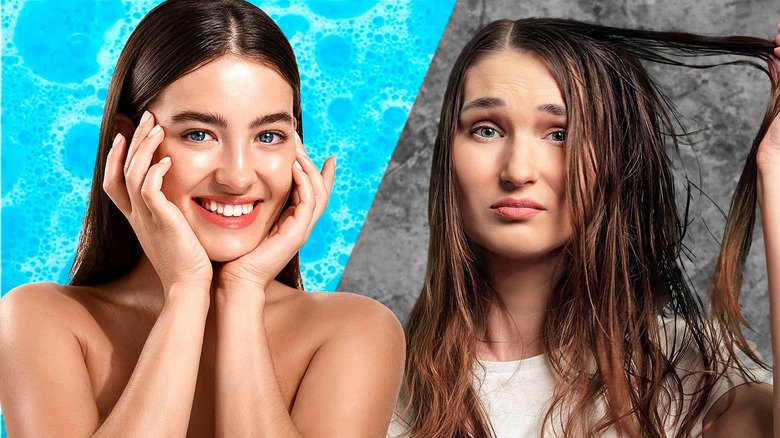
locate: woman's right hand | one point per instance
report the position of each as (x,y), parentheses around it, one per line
(777,41)
(134,184)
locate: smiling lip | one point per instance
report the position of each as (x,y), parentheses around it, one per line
(517,209)
(219,220)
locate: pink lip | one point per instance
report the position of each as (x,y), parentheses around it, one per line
(517,209)
(242,221)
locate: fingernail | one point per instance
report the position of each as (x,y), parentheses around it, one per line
(145,117)
(154,131)
(334,159)
(117,138)
(165,160)
(300,151)
(298,165)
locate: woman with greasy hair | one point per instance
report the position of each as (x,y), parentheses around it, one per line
(554,301)
(186,314)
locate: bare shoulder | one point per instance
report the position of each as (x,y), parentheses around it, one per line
(35,316)
(43,303)
(356,314)
(41,349)
(334,320)
(352,381)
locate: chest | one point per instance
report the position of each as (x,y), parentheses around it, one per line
(114,344)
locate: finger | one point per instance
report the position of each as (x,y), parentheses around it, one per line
(304,208)
(299,147)
(329,173)
(140,163)
(326,177)
(288,212)
(151,193)
(294,199)
(308,208)
(140,133)
(320,190)
(113,175)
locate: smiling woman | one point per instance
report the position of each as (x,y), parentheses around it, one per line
(186,314)
(230,196)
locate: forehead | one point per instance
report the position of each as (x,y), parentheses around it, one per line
(513,76)
(229,82)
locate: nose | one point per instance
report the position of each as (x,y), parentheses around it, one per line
(235,169)
(520,166)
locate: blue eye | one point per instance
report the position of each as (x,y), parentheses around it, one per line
(197,136)
(558,136)
(270,137)
(484,132)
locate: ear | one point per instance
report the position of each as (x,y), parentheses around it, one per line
(123,125)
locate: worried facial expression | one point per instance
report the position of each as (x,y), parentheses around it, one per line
(508,158)
(229,131)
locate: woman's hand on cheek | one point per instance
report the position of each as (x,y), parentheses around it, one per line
(133,183)
(311,192)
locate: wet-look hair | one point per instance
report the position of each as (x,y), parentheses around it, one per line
(622,267)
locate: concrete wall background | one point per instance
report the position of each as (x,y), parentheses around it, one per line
(725,104)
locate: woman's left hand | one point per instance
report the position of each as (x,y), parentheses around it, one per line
(311,192)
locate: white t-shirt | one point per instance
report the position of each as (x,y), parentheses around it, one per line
(516,394)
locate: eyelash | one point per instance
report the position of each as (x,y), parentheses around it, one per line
(282,136)
(473,131)
(188,136)
(561,131)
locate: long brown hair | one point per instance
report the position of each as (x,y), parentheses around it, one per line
(173,39)
(602,331)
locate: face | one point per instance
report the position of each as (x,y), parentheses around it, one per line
(229,131)
(508,158)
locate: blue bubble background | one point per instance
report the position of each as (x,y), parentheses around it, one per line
(361,66)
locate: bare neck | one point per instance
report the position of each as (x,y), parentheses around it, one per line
(514,324)
(140,287)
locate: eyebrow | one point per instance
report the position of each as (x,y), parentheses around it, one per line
(218,120)
(483,102)
(493,102)
(271,118)
(552,108)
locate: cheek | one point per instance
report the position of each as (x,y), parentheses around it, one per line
(187,168)
(277,170)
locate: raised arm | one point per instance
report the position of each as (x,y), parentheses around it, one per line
(768,160)
(46,387)
(753,409)
(768,178)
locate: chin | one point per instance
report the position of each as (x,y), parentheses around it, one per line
(519,250)
(226,253)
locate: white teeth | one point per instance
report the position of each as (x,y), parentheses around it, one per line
(227,210)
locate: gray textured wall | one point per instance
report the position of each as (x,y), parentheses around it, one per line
(388,261)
